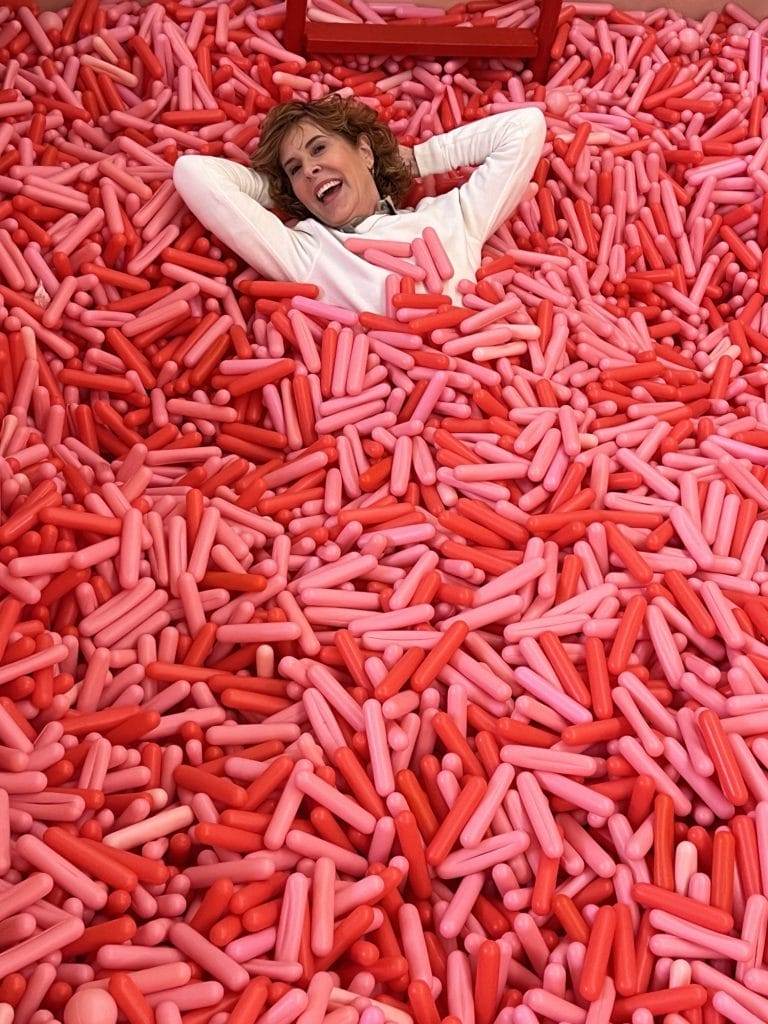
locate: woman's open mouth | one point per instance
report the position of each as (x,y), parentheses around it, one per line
(328,193)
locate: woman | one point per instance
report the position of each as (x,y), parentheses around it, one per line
(337,169)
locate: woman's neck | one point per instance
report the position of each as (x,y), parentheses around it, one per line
(383,206)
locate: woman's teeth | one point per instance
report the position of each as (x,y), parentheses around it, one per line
(328,193)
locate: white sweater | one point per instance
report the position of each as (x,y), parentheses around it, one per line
(231,201)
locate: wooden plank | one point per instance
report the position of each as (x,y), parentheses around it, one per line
(420,41)
(545,35)
(686,8)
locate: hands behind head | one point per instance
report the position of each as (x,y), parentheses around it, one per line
(406,152)
(409,160)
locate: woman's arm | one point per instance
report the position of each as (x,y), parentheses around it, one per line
(231,201)
(504,148)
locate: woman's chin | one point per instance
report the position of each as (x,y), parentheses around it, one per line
(332,219)
(336,214)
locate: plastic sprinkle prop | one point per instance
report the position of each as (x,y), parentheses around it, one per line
(384,668)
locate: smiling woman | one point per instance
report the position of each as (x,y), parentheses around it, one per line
(305,146)
(339,172)
(330,176)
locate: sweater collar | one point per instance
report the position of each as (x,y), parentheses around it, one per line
(384,206)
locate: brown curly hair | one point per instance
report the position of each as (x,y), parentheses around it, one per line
(342,116)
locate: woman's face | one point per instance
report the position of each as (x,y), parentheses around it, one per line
(329,175)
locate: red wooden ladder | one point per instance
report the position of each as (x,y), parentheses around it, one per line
(307,37)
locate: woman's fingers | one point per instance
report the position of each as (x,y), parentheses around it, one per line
(409,159)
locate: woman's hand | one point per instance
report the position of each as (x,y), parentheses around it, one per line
(409,160)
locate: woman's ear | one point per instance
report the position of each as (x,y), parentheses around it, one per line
(364,145)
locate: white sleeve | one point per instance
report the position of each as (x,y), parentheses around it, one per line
(231,200)
(504,148)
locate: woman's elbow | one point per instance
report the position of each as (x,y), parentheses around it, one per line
(182,172)
(537,125)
